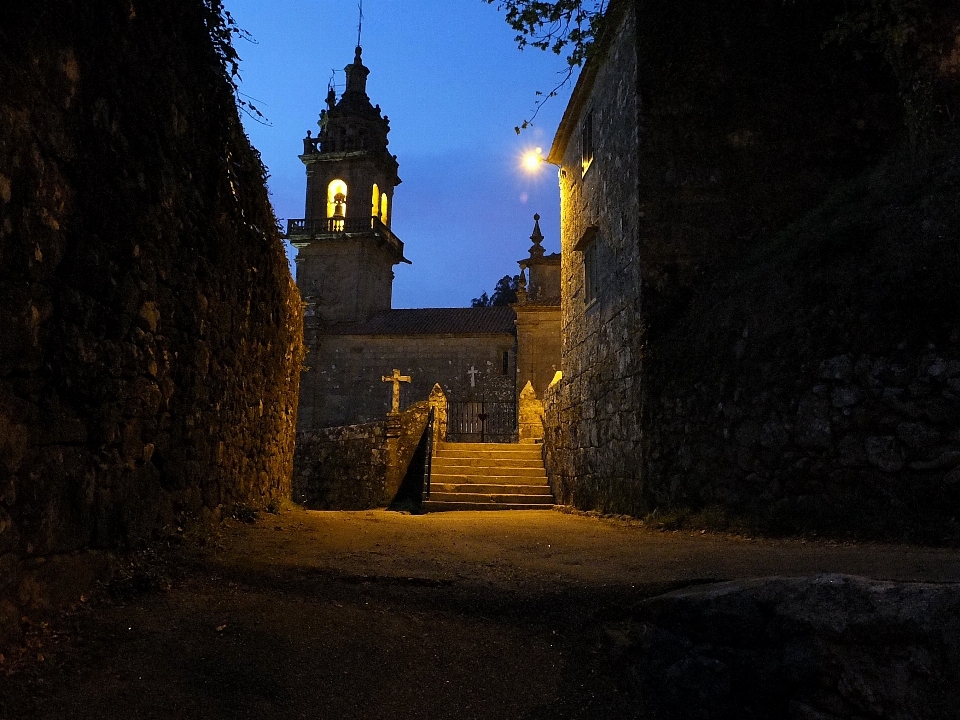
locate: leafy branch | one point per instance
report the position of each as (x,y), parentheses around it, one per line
(569,26)
(222,28)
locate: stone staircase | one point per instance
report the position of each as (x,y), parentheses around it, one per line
(488,476)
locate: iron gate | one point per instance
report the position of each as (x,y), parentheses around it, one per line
(481,421)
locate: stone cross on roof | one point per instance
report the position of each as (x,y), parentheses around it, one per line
(396,379)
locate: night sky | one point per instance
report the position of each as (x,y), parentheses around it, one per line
(453,83)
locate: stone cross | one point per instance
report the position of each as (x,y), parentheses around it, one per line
(473,372)
(396,379)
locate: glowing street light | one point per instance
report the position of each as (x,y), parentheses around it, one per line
(533,159)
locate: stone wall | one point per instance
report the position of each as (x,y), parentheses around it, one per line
(344,383)
(149,328)
(593,423)
(761,341)
(342,468)
(816,387)
(538,345)
(358,467)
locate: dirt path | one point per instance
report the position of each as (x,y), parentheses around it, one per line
(382,615)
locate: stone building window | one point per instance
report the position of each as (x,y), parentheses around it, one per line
(591,280)
(586,142)
(383,208)
(376,201)
(587,246)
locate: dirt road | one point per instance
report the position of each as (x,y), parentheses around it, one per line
(383,615)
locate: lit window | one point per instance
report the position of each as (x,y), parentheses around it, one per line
(586,141)
(376,201)
(383,208)
(337,199)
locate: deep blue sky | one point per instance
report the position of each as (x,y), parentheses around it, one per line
(454,84)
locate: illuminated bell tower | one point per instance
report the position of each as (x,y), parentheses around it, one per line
(346,248)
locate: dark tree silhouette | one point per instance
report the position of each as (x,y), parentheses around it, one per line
(505,293)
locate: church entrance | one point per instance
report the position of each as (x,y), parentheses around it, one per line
(481,421)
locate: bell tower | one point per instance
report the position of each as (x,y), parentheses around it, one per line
(346,247)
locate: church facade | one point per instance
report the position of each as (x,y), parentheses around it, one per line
(481,357)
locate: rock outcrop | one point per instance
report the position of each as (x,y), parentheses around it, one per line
(821,648)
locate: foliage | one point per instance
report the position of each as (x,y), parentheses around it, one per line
(243,513)
(570,25)
(505,293)
(555,25)
(222,28)
(901,33)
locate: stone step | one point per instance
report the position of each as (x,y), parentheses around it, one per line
(488,476)
(492,461)
(489,457)
(466,479)
(489,488)
(495,498)
(438,506)
(490,447)
(444,468)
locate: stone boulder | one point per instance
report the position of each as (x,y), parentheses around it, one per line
(831,646)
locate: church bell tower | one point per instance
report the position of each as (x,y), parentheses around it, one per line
(346,248)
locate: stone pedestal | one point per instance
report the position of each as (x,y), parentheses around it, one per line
(530,415)
(394,470)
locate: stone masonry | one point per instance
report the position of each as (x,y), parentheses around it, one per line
(149,328)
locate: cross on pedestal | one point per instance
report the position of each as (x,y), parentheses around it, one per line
(473,372)
(396,379)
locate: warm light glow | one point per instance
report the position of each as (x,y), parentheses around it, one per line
(383,209)
(533,159)
(376,200)
(336,187)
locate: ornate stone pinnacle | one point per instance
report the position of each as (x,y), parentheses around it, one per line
(535,250)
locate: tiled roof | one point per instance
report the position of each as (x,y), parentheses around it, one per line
(432,321)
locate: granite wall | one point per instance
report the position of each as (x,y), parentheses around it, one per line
(773,202)
(149,328)
(358,467)
(344,383)
(593,428)
(342,468)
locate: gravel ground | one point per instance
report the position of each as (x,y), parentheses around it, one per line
(386,615)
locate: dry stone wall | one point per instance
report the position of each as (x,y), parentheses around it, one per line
(358,467)
(149,328)
(342,468)
(817,392)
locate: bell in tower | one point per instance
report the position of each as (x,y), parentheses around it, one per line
(346,248)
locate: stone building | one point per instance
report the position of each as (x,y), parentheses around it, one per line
(598,403)
(740,331)
(355,338)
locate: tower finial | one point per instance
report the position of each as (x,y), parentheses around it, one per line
(360,26)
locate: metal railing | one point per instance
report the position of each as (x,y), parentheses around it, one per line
(327,226)
(428,457)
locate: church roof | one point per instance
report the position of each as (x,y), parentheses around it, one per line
(432,321)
